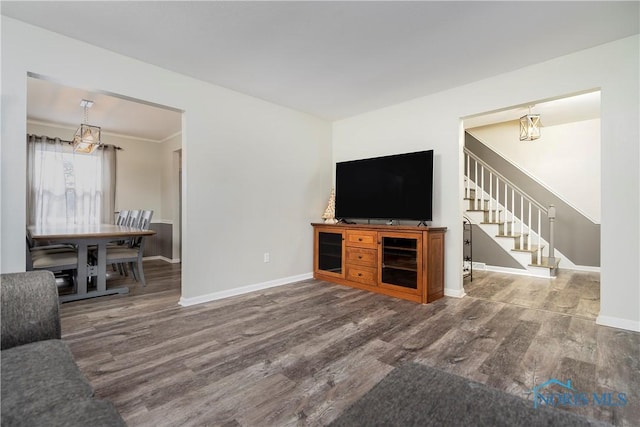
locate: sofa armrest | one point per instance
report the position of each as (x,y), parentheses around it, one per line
(29,308)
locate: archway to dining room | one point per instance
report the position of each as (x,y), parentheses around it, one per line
(146,141)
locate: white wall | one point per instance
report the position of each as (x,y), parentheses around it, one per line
(255,174)
(565,160)
(435,122)
(138,168)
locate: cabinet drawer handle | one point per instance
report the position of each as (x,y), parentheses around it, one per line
(359,239)
(359,256)
(359,274)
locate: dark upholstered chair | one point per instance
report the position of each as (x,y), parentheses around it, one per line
(41,383)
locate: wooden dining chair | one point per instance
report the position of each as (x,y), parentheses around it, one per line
(55,259)
(133,219)
(122,217)
(145,219)
(129,218)
(130,256)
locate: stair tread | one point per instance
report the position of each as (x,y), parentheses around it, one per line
(495,223)
(515,236)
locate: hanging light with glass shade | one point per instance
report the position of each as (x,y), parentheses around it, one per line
(87,137)
(530,126)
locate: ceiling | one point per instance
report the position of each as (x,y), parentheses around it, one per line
(555,112)
(52,103)
(335,59)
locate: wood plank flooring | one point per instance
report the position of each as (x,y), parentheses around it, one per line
(576,293)
(300,354)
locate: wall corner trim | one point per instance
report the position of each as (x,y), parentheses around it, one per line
(185,302)
(616,322)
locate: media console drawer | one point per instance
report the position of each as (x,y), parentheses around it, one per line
(362,238)
(360,256)
(361,274)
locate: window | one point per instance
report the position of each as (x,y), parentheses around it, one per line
(67,187)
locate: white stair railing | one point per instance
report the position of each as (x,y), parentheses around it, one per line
(530,209)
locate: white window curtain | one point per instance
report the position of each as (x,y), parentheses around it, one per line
(64,187)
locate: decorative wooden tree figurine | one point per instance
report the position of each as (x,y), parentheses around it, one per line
(329,214)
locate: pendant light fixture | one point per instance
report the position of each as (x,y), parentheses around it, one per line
(87,137)
(530,126)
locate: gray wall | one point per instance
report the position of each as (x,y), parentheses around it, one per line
(487,251)
(576,236)
(160,244)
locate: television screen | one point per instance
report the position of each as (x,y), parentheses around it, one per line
(390,187)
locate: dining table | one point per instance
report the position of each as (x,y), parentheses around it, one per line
(83,237)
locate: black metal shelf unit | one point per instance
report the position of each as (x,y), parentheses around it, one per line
(467,249)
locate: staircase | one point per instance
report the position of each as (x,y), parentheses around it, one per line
(510,217)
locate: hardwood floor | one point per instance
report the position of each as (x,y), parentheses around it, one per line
(576,293)
(300,354)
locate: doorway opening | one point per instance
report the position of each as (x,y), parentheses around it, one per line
(534,205)
(148,136)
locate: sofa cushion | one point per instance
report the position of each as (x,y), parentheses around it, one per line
(38,377)
(29,308)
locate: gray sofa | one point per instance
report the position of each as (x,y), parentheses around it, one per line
(41,383)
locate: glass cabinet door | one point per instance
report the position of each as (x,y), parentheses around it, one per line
(330,252)
(400,262)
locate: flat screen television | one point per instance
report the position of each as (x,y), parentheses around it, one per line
(392,187)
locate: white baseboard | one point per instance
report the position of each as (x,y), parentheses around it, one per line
(165,259)
(479,265)
(185,302)
(509,270)
(581,268)
(616,322)
(455,293)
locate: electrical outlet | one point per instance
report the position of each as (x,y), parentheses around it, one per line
(266,257)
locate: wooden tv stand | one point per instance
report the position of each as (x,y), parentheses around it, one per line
(401,261)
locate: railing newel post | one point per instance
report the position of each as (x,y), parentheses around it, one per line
(539,236)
